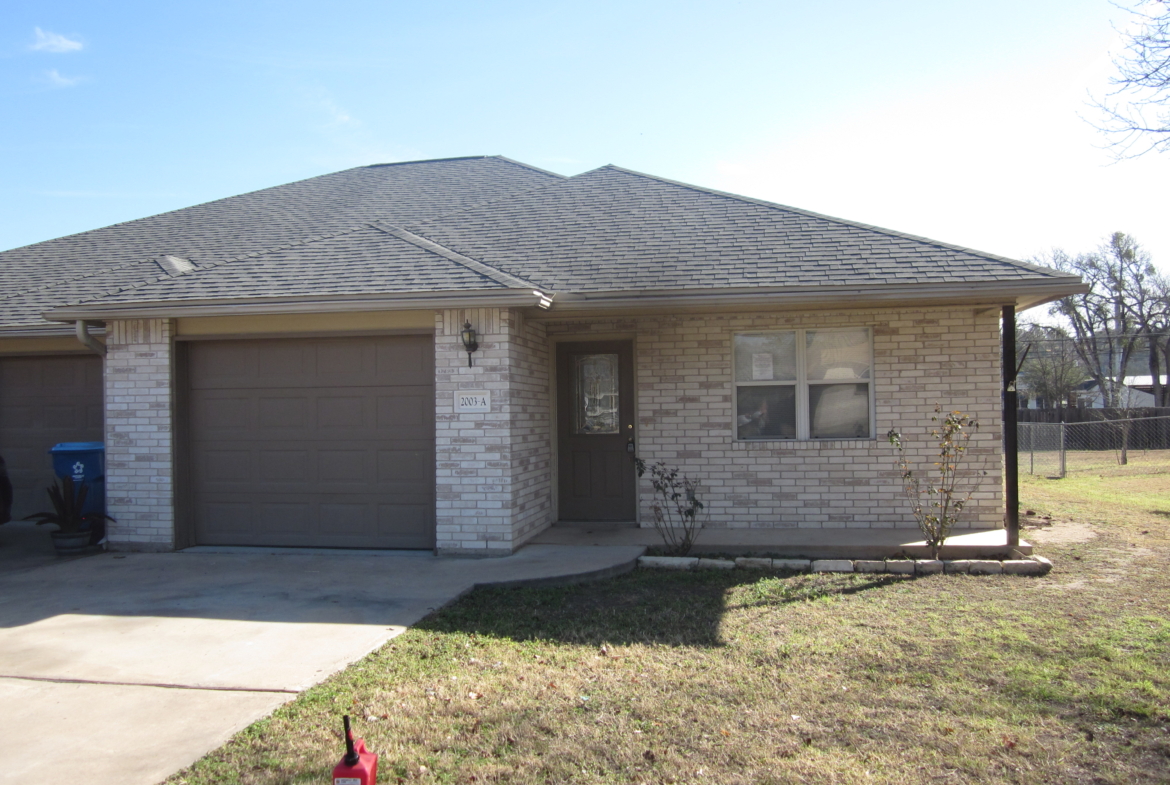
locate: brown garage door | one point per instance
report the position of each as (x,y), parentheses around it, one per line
(44,401)
(313,442)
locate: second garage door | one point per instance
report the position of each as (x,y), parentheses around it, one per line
(312,442)
(43,401)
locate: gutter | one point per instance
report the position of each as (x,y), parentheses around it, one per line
(1028,294)
(495,298)
(47,330)
(93,344)
(1023,294)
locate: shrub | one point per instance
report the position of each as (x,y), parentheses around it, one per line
(935,497)
(678,513)
(68,502)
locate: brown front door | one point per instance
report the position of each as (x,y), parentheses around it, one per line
(595,431)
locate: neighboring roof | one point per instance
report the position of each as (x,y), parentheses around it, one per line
(82,266)
(440,228)
(1140,381)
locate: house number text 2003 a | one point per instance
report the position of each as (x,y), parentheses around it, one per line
(473,401)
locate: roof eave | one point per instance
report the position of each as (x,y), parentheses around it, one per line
(490,298)
(1023,294)
(47,330)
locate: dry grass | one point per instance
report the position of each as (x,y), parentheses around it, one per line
(750,678)
(1101,462)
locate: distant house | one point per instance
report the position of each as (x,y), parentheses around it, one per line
(287,367)
(1130,394)
(1145,383)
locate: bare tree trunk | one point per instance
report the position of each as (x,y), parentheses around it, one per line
(1126,424)
(1166,388)
(1155,371)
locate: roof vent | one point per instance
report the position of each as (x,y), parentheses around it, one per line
(175,265)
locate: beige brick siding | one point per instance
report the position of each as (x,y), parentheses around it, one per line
(495,470)
(493,483)
(530,413)
(685,415)
(139,447)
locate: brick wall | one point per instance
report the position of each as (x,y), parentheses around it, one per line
(685,415)
(494,469)
(493,484)
(529,410)
(139,455)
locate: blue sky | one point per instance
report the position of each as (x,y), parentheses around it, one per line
(957,121)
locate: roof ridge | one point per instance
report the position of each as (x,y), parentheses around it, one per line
(497,275)
(560,177)
(424,161)
(843,221)
(486,202)
(181,209)
(530,166)
(466,158)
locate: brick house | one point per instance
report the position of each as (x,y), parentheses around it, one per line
(287,367)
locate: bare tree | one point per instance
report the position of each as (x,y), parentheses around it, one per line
(1108,322)
(1051,371)
(1136,111)
(1158,338)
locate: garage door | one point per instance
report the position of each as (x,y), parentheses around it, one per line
(44,401)
(313,442)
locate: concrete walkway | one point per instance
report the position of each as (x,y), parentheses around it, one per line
(122,669)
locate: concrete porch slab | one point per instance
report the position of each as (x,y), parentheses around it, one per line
(798,543)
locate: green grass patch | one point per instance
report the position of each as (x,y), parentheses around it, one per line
(741,677)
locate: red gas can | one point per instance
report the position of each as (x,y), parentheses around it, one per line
(359,766)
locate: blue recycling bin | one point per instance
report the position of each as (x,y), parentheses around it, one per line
(84,462)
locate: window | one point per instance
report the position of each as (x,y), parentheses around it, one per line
(596,405)
(804,384)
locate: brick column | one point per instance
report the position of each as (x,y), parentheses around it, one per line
(139,434)
(493,484)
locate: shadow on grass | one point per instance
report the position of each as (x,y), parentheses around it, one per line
(675,609)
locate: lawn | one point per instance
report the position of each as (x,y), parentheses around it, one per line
(1100,462)
(742,677)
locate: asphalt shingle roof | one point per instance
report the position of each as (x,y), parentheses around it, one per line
(613,229)
(361,261)
(457,225)
(87,265)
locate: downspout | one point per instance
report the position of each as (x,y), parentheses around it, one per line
(1011,458)
(91,343)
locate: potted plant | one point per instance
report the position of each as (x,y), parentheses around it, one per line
(77,529)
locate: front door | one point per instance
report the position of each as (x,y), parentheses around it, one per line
(595,431)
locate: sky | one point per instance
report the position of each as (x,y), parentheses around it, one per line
(967,123)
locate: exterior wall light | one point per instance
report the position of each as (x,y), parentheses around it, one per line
(469,342)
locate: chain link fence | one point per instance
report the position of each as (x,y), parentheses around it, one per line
(1106,447)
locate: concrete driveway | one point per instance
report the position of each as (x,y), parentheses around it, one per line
(125,668)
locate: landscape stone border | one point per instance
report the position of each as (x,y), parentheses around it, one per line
(1036,565)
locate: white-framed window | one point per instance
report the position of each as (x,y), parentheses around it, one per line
(803,384)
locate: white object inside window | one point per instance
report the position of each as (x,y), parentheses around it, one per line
(804,384)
